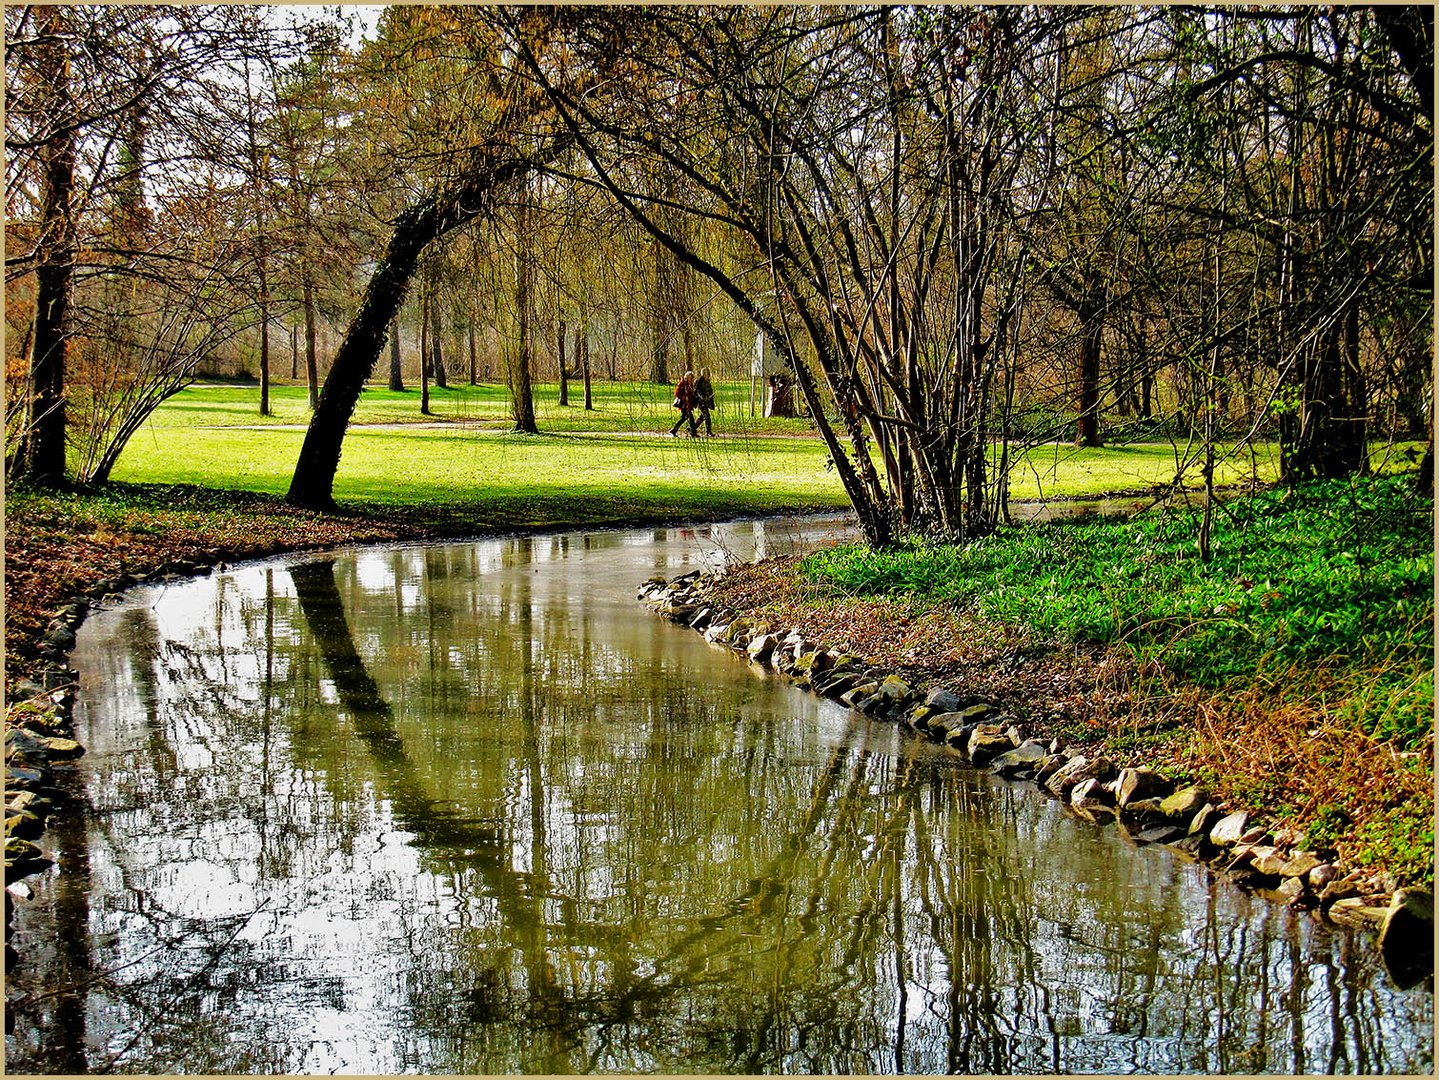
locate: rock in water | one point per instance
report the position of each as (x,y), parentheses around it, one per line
(1354,912)
(1229,829)
(987,742)
(1184,804)
(1141,783)
(1021,759)
(1406,940)
(760,647)
(944,701)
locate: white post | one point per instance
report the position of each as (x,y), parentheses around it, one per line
(756,369)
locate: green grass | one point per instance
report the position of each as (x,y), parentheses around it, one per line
(511,479)
(1058,469)
(1339,574)
(619,406)
(614,463)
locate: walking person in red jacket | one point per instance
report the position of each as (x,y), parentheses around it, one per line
(685,402)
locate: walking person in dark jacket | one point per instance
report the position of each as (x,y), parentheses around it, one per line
(705,399)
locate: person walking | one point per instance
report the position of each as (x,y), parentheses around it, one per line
(685,402)
(705,399)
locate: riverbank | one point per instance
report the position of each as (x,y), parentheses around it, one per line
(1148,805)
(1293,674)
(1282,745)
(1299,764)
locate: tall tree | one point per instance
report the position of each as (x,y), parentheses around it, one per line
(99,179)
(506,136)
(870,160)
(522,399)
(54,255)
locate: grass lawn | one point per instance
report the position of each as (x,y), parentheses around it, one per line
(612,464)
(507,479)
(619,406)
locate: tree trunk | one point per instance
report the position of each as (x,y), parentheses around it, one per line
(1087,431)
(397,372)
(521,395)
(312,363)
(582,346)
(44,459)
(1329,438)
(424,351)
(264,339)
(560,331)
(436,348)
(312,484)
(659,330)
(314,479)
(474,360)
(1424,479)
(294,352)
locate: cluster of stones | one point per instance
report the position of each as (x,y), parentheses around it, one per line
(39,726)
(1147,805)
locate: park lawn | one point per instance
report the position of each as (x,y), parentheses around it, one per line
(506,479)
(602,463)
(1059,470)
(619,406)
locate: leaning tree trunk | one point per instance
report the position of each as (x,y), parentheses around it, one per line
(313,482)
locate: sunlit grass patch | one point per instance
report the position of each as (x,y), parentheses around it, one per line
(579,478)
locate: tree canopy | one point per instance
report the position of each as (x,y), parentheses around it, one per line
(965,231)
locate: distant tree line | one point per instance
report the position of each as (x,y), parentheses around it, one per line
(966,231)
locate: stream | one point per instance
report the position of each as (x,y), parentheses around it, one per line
(470,808)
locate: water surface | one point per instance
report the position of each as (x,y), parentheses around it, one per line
(471,809)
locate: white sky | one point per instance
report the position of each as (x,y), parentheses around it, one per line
(364,17)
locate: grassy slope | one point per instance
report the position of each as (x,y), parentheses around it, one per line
(1317,608)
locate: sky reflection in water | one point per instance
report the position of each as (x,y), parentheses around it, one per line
(470,808)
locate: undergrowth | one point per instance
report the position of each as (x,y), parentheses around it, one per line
(1338,574)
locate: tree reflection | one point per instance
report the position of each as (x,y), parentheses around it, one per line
(556,835)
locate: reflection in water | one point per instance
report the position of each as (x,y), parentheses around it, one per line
(468,809)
